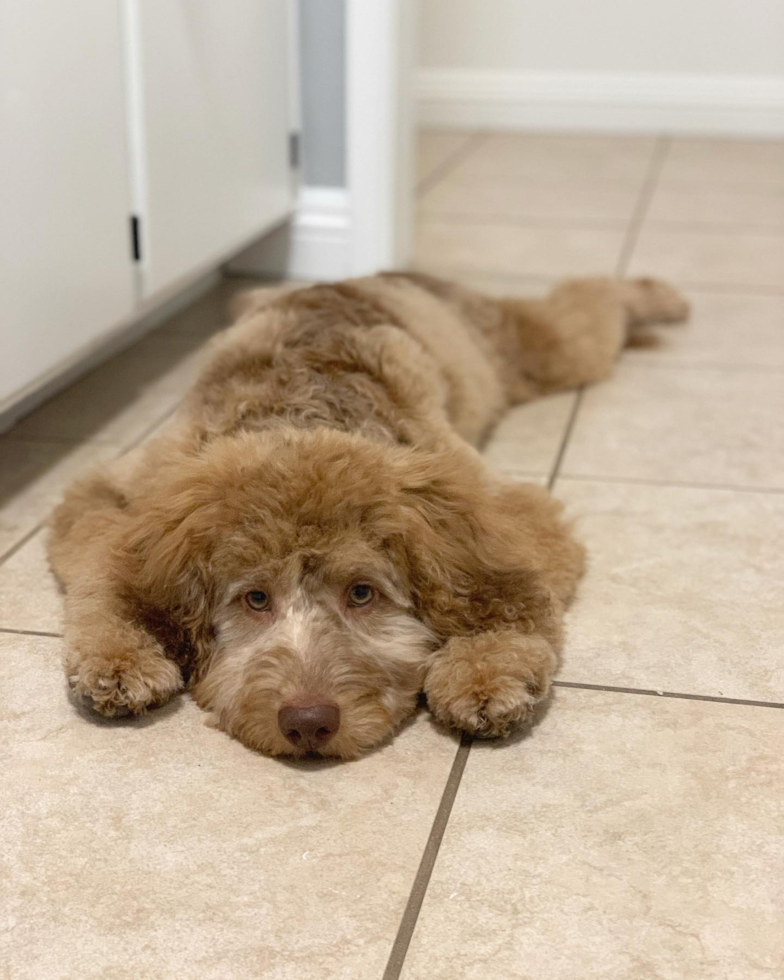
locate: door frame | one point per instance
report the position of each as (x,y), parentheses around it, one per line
(366,225)
(380,57)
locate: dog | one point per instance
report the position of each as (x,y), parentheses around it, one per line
(314,539)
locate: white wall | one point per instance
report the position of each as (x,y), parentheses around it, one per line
(701,64)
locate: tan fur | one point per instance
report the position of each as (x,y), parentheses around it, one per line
(330,442)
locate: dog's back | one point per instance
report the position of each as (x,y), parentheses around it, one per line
(408,358)
(376,355)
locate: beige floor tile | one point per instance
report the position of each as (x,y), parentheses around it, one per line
(746,205)
(627,837)
(730,160)
(161,848)
(435,147)
(682,425)
(521,286)
(683,590)
(118,401)
(729,258)
(453,247)
(33,476)
(615,158)
(29,595)
(725,329)
(474,196)
(527,440)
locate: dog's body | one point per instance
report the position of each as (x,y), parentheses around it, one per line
(314,539)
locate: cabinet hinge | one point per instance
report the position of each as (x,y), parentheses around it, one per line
(136,238)
(294,148)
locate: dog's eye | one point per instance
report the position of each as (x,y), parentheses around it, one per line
(258,600)
(360,595)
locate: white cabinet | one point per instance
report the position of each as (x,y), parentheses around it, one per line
(211,97)
(174,110)
(65,261)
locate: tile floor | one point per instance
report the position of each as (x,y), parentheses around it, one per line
(638,830)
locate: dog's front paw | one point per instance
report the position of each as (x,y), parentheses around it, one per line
(489,684)
(123,684)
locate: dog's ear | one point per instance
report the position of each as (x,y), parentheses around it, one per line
(162,562)
(467,545)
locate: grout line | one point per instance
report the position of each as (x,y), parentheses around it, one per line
(450,162)
(426,865)
(675,484)
(21,542)
(6,629)
(666,694)
(597,222)
(733,288)
(756,186)
(139,439)
(686,285)
(554,178)
(578,400)
(638,358)
(592,221)
(658,157)
(712,228)
(525,221)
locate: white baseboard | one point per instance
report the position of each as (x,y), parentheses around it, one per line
(314,245)
(639,102)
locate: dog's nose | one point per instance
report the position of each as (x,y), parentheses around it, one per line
(309,726)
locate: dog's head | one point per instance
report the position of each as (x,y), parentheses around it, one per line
(310,576)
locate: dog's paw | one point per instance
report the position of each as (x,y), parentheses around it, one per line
(125,685)
(489,684)
(656,301)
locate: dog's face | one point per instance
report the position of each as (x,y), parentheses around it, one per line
(313,575)
(319,650)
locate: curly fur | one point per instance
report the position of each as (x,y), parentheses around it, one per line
(331,441)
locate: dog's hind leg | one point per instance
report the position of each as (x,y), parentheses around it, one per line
(647,301)
(574,335)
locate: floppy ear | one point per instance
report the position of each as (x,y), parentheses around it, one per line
(163,565)
(471,551)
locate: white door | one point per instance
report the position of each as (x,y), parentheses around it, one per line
(65,260)
(210,89)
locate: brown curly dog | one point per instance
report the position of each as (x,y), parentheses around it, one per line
(313,540)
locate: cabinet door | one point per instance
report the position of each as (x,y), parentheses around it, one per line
(211,92)
(65,261)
